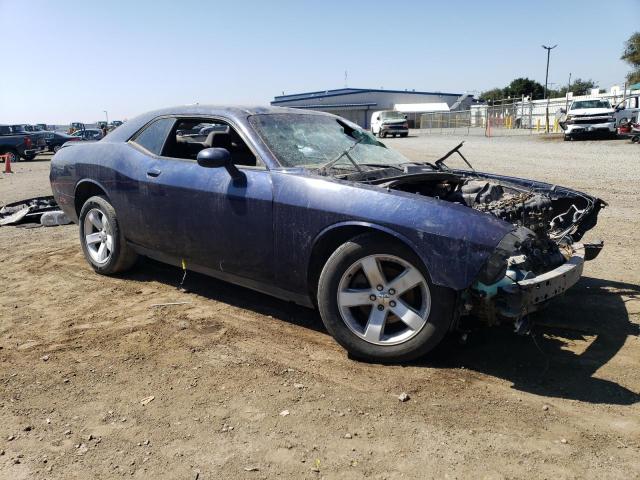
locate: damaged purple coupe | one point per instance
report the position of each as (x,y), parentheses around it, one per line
(310,208)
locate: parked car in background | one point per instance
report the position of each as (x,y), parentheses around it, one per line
(389,122)
(586,117)
(310,208)
(17,144)
(55,140)
(116,123)
(88,134)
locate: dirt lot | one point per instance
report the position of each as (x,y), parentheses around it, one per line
(97,382)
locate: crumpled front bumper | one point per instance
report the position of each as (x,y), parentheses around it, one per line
(527,296)
(512,299)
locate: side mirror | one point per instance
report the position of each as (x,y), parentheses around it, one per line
(216,158)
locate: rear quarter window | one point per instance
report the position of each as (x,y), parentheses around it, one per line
(153,136)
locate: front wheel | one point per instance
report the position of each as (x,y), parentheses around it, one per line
(103,242)
(376,299)
(56,148)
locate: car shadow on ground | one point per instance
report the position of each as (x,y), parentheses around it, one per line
(570,341)
(590,319)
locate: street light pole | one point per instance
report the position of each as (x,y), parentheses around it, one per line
(107,116)
(546,80)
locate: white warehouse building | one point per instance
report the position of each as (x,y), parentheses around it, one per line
(357,104)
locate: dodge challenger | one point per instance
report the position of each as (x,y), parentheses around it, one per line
(310,208)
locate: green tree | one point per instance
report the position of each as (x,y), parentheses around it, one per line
(524,86)
(631,55)
(578,87)
(516,89)
(492,95)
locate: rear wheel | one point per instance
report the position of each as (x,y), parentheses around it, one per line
(56,148)
(102,239)
(376,299)
(404,134)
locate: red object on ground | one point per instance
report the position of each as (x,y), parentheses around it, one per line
(7,163)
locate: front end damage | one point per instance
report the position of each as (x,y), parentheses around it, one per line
(538,260)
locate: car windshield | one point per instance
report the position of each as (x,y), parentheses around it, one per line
(392,115)
(314,140)
(590,104)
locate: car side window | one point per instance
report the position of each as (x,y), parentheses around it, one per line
(189,136)
(152,138)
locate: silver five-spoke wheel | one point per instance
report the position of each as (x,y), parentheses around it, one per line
(384,300)
(98,236)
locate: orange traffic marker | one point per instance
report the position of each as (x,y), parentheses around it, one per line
(7,163)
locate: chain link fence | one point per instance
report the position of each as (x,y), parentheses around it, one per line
(507,117)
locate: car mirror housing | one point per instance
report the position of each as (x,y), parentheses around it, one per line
(216,158)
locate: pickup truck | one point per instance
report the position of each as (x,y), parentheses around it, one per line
(17,144)
(588,117)
(38,136)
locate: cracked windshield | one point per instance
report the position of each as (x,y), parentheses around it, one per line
(319,141)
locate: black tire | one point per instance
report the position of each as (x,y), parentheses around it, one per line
(122,257)
(56,148)
(394,135)
(14,157)
(404,134)
(568,138)
(28,158)
(382,134)
(439,318)
(635,139)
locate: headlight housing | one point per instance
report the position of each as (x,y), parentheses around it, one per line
(496,266)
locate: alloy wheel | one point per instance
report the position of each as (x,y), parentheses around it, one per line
(98,236)
(384,299)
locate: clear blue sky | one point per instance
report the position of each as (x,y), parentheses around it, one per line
(68,61)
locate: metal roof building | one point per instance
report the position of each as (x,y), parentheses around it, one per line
(357,104)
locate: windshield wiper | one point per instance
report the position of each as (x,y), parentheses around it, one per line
(346,152)
(382,165)
(440,162)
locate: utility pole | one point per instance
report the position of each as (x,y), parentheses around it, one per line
(566,103)
(106,116)
(546,80)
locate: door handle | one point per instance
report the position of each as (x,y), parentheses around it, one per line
(153,172)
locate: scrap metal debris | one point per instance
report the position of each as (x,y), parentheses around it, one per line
(30,211)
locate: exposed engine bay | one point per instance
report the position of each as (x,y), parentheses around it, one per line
(538,260)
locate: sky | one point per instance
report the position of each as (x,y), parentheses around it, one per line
(66,61)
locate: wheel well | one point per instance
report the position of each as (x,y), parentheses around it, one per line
(327,244)
(84,191)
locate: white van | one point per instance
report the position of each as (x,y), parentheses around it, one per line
(389,122)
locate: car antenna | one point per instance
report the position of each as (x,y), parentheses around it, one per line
(456,149)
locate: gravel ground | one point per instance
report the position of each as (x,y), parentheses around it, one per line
(96,382)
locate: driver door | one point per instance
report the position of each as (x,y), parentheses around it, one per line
(200,214)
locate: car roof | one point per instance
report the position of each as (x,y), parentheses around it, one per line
(239,113)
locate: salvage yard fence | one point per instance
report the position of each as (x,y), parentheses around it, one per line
(507,117)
